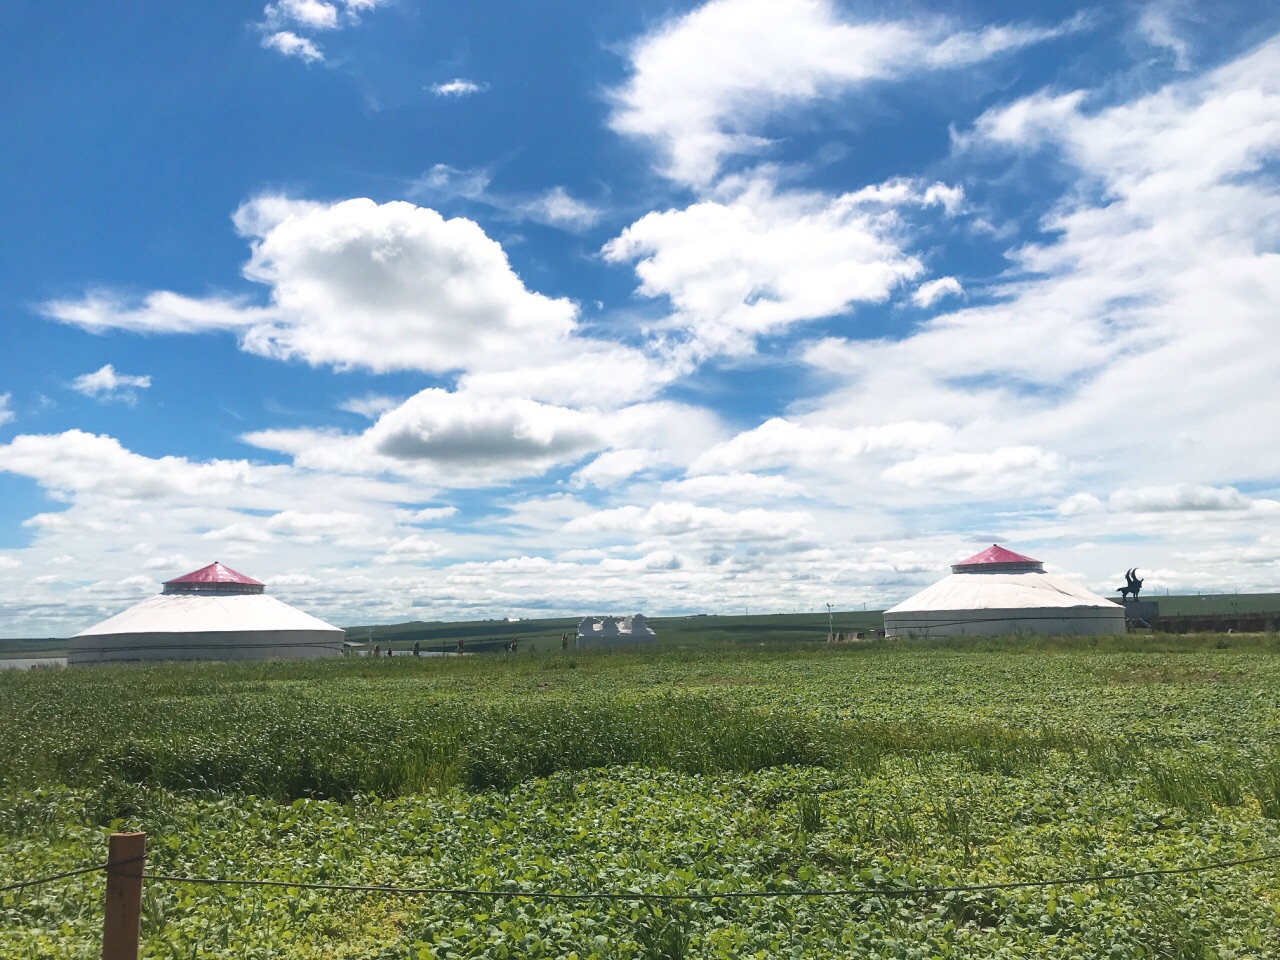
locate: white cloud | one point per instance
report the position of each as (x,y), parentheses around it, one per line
(358,284)
(1129,334)
(1182,497)
(292,45)
(703,84)
(457,87)
(311,527)
(1159,25)
(311,14)
(243,532)
(757,261)
(732,487)
(558,209)
(79,462)
(929,293)
(612,467)
(996,472)
(437,433)
(677,518)
(554,207)
(292,580)
(8,563)
(6,414)
(413,548)
(106,385)
(281,21)
(469,437)
(161,312)
(451,182)
(1080,504)
(780,443)
(176,565)
(432,514)
(371,405)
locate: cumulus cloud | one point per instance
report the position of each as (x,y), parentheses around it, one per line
(468,437)
(313,14)
(458,87)
(6,413)
(437,432)
(703,84)
(359,284)
(929,293)
(281,21)
(292,45)
(79,462)
(106,385)
(759,260)
(1182,497)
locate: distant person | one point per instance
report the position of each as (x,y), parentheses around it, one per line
(564,641)
(513,644)
(377,649)
(417,649)
(459,644)
(389,650)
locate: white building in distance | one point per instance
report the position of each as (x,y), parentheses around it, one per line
(610,632)
(999,592)
(213,613)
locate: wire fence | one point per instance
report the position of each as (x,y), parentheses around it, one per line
(635,895)
(122,905)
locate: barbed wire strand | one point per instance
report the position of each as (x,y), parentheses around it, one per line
(700,897)
(79,871)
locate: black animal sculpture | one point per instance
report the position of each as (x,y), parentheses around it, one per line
(1132,585)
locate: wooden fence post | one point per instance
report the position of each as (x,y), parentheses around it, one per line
(122,908)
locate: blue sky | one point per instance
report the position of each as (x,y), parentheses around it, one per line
(469,310)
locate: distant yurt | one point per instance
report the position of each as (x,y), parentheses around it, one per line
(999,592)
(613,632)
(213,613)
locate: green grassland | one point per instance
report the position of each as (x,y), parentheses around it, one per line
(709,768)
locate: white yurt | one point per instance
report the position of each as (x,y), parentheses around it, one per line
(213,613)
(612,632)
(999,592)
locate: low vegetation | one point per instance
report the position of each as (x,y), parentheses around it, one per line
(710,770)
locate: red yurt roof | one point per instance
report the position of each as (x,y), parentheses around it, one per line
(214,573)
(997,559)
(215,578)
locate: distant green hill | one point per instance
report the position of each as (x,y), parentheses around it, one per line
(544,634)
(481,635)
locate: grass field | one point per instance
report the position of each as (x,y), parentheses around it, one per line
(711,769)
